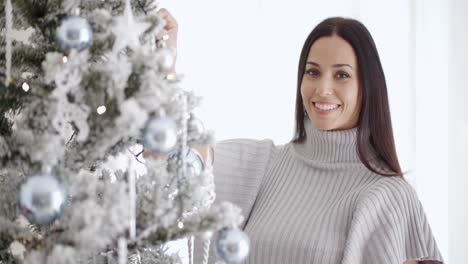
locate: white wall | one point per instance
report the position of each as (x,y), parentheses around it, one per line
(458,132)
(431,27)
(242,56)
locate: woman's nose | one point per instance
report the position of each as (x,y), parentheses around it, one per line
(324,89)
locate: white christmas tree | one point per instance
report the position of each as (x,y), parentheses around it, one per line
(89,84)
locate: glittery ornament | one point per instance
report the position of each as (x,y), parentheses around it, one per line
(134,258)
(232,245)
(193,162)
(160,135)
(195,127)
(74,33)
(42,199)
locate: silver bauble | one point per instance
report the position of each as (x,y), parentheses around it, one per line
(232,245)
(195,127)
(74,33)
(165,59)
(160,135)
(194,164)
(42,199)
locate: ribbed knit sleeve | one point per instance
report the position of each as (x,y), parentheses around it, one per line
(389,226)
(238,167)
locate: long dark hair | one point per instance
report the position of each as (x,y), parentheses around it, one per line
(374,133)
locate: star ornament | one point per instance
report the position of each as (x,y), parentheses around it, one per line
(126,30)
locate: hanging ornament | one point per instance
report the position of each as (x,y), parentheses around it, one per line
(194,164)
(42,199)
(232,245)
(165,59)
(195,127)
(75,33)
(160,135)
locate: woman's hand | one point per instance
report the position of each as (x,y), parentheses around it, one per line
(168,36)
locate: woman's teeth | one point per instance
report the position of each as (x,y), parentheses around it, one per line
(326,106)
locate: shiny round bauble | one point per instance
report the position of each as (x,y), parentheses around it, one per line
(194,164)
(160,135)
(232,245)
(74,33)
(195,127)
(166,59)
(42,199)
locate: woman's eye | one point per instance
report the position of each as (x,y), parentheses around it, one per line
(312,72)
(342,75)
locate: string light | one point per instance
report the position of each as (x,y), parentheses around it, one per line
(25,87)
(180,225)
(171,77)
(101,109)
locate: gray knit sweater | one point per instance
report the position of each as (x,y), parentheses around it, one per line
(315,202)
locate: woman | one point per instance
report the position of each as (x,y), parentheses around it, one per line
(336,192)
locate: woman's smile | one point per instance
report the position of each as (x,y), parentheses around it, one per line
(325,108)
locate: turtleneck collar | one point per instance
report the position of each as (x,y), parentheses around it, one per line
(338,146)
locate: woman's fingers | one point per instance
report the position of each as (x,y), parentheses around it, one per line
(169,34)
(171,22)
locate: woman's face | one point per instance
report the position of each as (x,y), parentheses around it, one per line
(330,85)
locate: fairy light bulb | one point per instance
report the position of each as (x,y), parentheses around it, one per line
(171,77)
(101,109)
(180,225)
(65,59)
(25,87)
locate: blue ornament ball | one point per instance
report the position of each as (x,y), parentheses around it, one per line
(232,245)
(160,135)
(42,199)
(194,164)
(74,33)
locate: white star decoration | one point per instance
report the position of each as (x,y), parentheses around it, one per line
(127,31)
